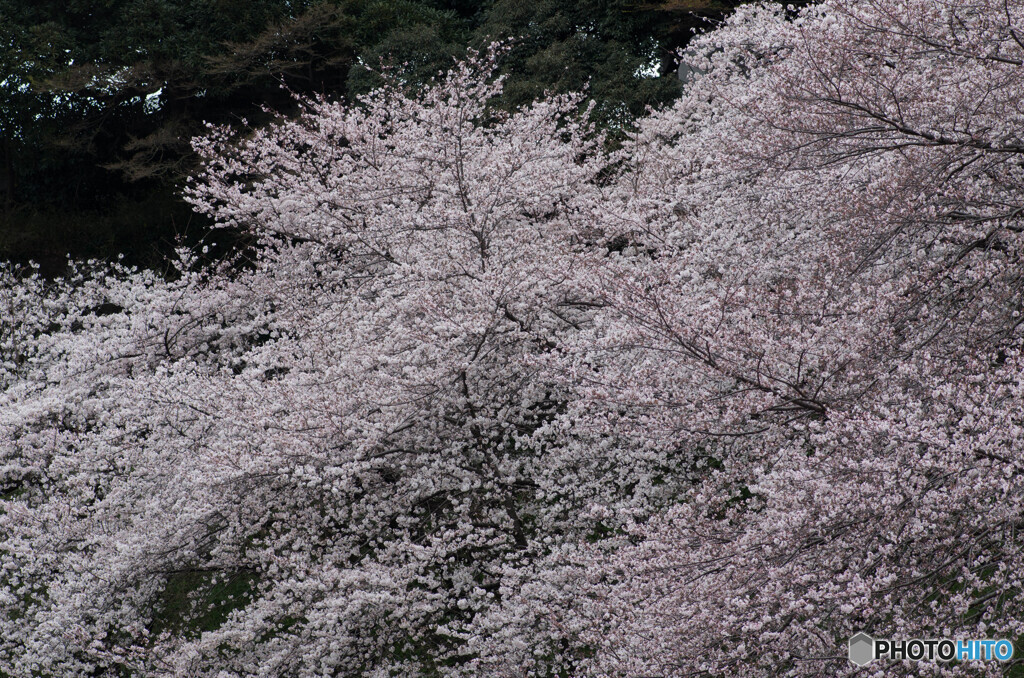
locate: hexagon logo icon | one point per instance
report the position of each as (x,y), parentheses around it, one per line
(862,648)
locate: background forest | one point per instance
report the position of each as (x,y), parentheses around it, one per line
(100,99)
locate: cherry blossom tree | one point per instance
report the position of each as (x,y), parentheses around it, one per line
(817,297)
(481,396)
(323,457)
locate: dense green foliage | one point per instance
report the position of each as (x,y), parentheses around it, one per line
(100,99)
